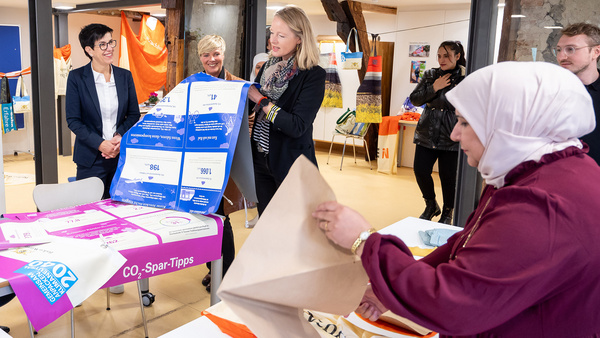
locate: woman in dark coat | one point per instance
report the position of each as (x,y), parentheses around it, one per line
(292,89)
(432,135)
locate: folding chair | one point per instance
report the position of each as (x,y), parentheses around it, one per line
(358,132)
(57,196)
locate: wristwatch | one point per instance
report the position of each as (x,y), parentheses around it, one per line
(263,102)
(361,238)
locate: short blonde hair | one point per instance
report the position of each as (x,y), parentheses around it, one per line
(307,55)
(209,43)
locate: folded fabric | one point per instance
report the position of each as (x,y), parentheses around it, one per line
(436,237)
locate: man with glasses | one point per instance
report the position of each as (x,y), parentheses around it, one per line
(578,50)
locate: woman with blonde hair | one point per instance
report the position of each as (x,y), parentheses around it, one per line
(211,51)
(292,89)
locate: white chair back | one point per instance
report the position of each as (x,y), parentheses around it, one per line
(63,195)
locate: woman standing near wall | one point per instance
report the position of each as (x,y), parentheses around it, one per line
(211,51)
(432,134)
(292,89)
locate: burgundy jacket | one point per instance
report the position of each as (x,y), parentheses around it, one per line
(530,269)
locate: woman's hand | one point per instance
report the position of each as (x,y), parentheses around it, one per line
(254,95)
(370,307)
(341,224)
(109,149)
(441,82)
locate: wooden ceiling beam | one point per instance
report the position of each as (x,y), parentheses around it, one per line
(366,7)
(135,16)
(334,11)
(353,10)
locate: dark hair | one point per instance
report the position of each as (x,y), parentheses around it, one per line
(591,31)
(92,33)
(268,36)
(457,48)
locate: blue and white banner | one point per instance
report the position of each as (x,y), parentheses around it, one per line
(179,155)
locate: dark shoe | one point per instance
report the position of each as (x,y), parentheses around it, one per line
(5,329)
(446,215)
(208,288)
(432,209)
(206,279)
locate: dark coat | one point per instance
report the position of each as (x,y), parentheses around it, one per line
(291,135)
(83,111)
(438,119)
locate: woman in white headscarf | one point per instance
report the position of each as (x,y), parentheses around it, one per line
(527,263)
(257,63)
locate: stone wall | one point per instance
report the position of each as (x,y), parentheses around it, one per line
(529,32)
(225,19)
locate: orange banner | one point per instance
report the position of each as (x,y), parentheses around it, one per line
(16,73)
(144,55)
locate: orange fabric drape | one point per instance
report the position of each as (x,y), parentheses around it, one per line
(145,55)
(64,52)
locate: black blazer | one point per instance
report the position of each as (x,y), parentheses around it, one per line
(291,135)
(83,110)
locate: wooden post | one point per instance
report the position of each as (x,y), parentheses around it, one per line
(353,11)
(174,41)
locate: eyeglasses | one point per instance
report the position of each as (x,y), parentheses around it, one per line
(569,50)
(104,45)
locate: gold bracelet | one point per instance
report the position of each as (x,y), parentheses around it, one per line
(362,237)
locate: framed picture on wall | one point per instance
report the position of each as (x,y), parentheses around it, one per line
(417,68)
(419,50)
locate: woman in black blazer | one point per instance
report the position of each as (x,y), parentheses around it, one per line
(101,105)
(292,89)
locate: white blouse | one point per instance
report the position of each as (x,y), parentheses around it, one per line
(109,102)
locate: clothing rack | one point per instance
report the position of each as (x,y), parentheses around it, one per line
(26,126)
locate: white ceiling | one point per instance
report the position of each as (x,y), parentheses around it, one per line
(310,6)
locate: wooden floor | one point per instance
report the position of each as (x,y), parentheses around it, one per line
(180,297)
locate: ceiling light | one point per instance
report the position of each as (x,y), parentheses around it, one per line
(518,16)
(63,5)
(553,27)
(159,15)
(210,2)
(275,8)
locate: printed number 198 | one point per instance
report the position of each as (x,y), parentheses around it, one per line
(154,167)
(205,171)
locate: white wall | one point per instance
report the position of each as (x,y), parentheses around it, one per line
(376,23)
(440,31)
(446,25)
(79,20)
(18,140)
(22,140)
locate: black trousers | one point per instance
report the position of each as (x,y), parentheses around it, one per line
(103,168)
(266,183)
(447,164)
(228,245)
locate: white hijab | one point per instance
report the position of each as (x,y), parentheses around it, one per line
(260,57)
(521,111)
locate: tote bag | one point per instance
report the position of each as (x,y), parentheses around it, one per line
(368,95)
(345,124)
(387,145)
(21,100)
(333,85)
(8,117)
(352,60)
